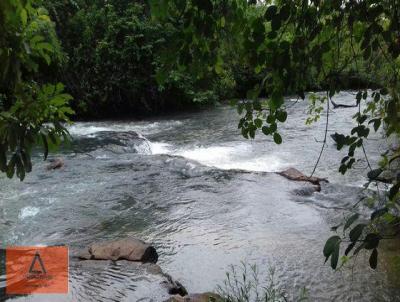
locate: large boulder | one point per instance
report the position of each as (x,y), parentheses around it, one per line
(205,297)
(130,249)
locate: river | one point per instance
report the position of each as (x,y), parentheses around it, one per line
(203,195)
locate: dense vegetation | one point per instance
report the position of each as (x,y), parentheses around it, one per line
(112,54)
(121,57)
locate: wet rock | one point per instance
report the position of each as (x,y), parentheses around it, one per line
(306,191)
(55,163)
(296,175)
(124,249)
(113,142)
(205,297)
(174,287)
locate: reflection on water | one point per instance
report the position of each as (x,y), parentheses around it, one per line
(197,190)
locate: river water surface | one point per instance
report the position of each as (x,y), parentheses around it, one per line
(203,195)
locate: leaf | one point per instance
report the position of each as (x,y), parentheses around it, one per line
(276,100)
(374,174)
(330,246)
(3,160)
(266,130)
(350,221)
(335,256)
(281,116)
(277,138)
(20,168)
(356,232)
(27,161)
(372,241)
(11,166)
(275,23)
(45,145)
(349,248)
(270,12)
(378,213)
(373,259)
(394,190)
(24,17)
(284,12)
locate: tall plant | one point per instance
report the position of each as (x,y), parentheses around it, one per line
(31,112)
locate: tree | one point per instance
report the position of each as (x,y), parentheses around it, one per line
(31,112)
(292,43)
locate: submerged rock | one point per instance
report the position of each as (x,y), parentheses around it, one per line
(124,249)
(113,142)
(205,297)
(55,163)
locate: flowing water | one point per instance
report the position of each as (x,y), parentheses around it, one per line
(203,195)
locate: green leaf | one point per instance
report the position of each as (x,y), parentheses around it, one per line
(394,190)
(372,241)
(20,168)
(373,259)
(356,232)
(276,100)
(277,138)
(27,161)
(330,245)
(270,12)
(350,221)
(24,17)
(284,13)
(11,166)
(374,174)
(378,213)
(349,248)
(45,145)
(266,130)
(276,23)
(335,256)
(281,116)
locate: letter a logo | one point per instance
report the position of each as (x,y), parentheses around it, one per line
(33,269)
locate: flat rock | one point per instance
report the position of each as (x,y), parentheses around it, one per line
(130,249)
(296,175)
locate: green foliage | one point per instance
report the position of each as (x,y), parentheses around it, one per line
(113,50)
(31,113)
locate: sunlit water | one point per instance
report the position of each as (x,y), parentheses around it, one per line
(202,194)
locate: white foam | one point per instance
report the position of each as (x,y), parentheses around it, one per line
(160,148)
(28,212)
(90,129)
(229,157)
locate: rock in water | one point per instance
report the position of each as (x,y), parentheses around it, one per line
(296,175)
(124,249)
(56,163)
(174,287)
(205,297)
